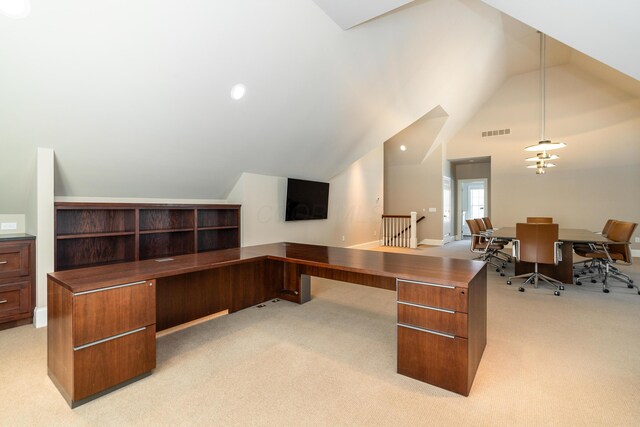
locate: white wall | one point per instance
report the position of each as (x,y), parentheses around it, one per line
(45,231)
(355,207)
(598,172)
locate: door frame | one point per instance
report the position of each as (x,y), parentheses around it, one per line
(459,183)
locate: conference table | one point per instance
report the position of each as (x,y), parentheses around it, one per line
(102,321)
(568,236)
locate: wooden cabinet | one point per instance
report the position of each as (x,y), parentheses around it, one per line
(442,332)
(101,338)
(92,234)
(17,280)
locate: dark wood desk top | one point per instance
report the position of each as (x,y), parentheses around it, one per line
(573,235)
(445,271)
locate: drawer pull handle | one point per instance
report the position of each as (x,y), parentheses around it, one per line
(426,284)
(444,310)
(3,262)
(429,331)
(110,287)
(124,334)
(3,301)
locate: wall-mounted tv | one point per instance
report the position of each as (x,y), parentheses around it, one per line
(306,200)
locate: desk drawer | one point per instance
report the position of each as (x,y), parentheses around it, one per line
(111,311)
(435,359)
(15,298)
(14,260)
(449,322)
(433,295)
(99,366)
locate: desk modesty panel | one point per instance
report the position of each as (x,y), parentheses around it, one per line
(103,320)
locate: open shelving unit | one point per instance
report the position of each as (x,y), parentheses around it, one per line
(91,234)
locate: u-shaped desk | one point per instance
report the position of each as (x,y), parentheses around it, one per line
(102,321)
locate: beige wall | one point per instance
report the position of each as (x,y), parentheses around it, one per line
(355,207)
(417,188)
(598,172)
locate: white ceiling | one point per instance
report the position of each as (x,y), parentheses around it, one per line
(603,29)
(348,14)
(134,96)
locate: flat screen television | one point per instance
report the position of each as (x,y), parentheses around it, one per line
(306,200)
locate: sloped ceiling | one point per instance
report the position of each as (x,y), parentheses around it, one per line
(348,14)
(605,30)
(134,96)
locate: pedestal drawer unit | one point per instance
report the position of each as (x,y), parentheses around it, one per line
(17,293)
(442,331)
(101,338)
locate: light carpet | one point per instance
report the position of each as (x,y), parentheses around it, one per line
(568,360)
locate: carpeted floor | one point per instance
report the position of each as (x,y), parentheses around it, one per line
(568,360)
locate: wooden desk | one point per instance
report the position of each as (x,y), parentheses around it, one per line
(103,320)
(564,270)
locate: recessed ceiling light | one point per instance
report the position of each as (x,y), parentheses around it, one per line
(403,148)
(238,91)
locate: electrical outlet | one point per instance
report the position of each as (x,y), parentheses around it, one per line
(9,226)
(432,209)
(375,233)
(343,238)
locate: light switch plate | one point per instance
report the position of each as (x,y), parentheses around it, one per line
(8,226)
(432,209)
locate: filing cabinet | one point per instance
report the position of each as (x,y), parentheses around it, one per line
(441,331)
(17,280)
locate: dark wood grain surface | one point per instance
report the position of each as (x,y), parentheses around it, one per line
(446,271)
(574,235)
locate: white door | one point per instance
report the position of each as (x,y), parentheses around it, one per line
(446,209)
(473,201)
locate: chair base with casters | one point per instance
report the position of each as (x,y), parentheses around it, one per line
(534,278)
(604,272)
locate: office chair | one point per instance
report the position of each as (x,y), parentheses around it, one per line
(587,247)
(486,248)
(539,220)
(538,244)
(610,253)
(486,230)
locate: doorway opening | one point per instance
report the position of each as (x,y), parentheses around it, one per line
(473,202)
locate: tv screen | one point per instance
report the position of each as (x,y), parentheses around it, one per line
(306,200)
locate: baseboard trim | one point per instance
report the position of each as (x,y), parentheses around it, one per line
(40,317)
(635,253)
(432,242)
(367,245)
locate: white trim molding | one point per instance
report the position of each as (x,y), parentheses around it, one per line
(432,242)
(40,317)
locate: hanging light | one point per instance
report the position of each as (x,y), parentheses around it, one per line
(542,156)
(544,144)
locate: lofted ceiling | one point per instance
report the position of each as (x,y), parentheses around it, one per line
(134,96)
(348,14)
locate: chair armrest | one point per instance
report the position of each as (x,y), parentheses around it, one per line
(557,253)
(515,249)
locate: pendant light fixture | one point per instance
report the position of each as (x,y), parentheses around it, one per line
(544,145)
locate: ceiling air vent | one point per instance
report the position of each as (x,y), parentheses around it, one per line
(496,132)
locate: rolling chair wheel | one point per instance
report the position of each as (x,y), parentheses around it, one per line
(593,280)
(638,292)
(509,260)
(576,275)
(497,270)
(630,280)
(501,274)
(561,288)
(504,265)
(579,283)
(556,293)
(508,282)
(521,289)
(605,290)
